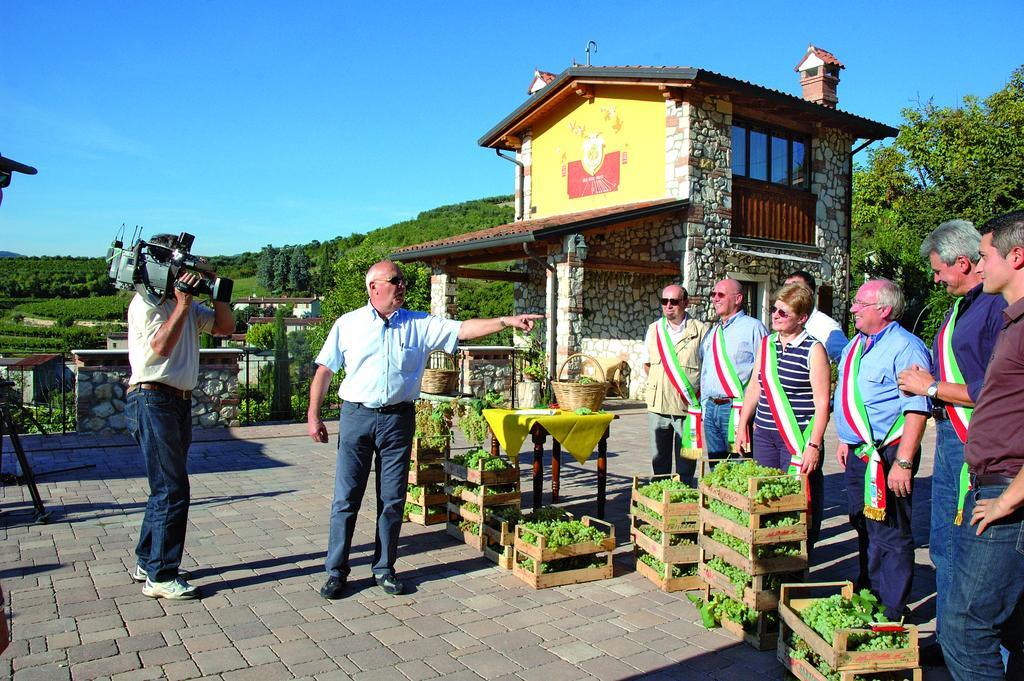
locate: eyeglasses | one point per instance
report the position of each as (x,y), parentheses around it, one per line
(862,303)
(671,301)
(782,314)
(394,281)
(716,294)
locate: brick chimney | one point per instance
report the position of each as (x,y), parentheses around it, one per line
(819,76)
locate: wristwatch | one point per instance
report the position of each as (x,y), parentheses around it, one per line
(904,464)
(933,390)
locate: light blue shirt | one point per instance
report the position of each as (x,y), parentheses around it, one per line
(743,334)
(384,360)
(892,350)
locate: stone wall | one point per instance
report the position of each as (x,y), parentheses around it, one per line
(487,368)
(102,379)
(830,178)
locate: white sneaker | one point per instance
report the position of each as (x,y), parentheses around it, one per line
(139,574)
(174,590)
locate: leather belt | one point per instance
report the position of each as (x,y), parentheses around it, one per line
(721,400)
(161,388)
(990,480)
(939,413)
(387,408)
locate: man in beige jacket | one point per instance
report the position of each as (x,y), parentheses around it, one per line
(672,365)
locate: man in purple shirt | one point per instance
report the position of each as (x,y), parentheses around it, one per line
(952,252)
(983,608)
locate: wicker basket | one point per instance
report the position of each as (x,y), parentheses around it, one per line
(441,379)
(572,395)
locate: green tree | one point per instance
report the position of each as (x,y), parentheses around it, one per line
(946,162)
(281,400)
(260,336)
(265,267)
(298,271)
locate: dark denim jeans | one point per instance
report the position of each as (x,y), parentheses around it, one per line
(716,429)
(364,437)
(162,425)
(983,607)
(949,459)
(665,432)
(769,449)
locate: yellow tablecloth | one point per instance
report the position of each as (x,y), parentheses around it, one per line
(577,434)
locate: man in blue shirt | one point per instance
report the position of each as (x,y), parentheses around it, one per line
(727,361)
(383,349)
(952,252)
(820,325)
(868,398)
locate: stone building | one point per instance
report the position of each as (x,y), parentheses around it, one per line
(630,178)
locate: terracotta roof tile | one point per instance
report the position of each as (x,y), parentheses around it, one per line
(533,225)
(823,55)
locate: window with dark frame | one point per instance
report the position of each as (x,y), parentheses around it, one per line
(770,155)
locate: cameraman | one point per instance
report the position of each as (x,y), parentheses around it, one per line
(163,350)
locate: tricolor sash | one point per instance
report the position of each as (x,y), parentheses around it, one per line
(856,416)
(730,380)
(692,441)
(959,417)
(782,412)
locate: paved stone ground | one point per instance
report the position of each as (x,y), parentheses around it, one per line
(258,530)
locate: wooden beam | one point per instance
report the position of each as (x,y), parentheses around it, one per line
(582,90)
(650,267)
(490,275)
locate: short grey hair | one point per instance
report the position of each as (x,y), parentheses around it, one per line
(952,239)
(891,295)
(374,266)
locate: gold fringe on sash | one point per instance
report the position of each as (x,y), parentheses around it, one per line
(874,513)
(959,517)
(691,454)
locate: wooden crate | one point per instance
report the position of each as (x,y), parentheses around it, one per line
(673,515)
(482,499)
(805,671)
(748,563)
(793,598)
(763,636)
(458,511)
(423,454)
(663,550)
(755,531)
(432,515)
(541,554)
(426,474)
(665,581)
(478,476)
(475,541)
(436,499)
(502,555)
(756,596)
(790,502)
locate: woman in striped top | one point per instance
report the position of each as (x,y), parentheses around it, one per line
(783,402)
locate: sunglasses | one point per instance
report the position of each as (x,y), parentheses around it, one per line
(672,301)
(394,281)
(782,314)
(716,294)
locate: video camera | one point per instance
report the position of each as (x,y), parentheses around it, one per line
(154,267)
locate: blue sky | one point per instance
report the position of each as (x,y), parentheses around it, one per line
(253,123)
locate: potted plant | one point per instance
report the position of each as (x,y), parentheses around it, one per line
(535,372)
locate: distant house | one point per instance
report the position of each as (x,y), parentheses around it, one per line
(301,307)
(290,323)
(36,376)
(117,340)
(630,178)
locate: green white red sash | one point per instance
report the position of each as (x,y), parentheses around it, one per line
(959,417)
(856,416)
(692,441)
(727,376)
(782,412)
(671,364)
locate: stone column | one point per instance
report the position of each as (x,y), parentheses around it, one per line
(569,274)
(443,294)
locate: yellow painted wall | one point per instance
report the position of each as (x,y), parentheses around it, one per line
(628,120)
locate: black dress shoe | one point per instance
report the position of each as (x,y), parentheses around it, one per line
(333,588)
(391,585)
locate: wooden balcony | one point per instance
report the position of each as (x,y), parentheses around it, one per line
(767,211)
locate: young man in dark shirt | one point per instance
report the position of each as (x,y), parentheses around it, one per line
(982,610)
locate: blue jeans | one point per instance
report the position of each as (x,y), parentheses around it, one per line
(890,542)
(769,449)
(949,459)
(716,429)
(982,608)
(665,431)
(162,426)
(364,437)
